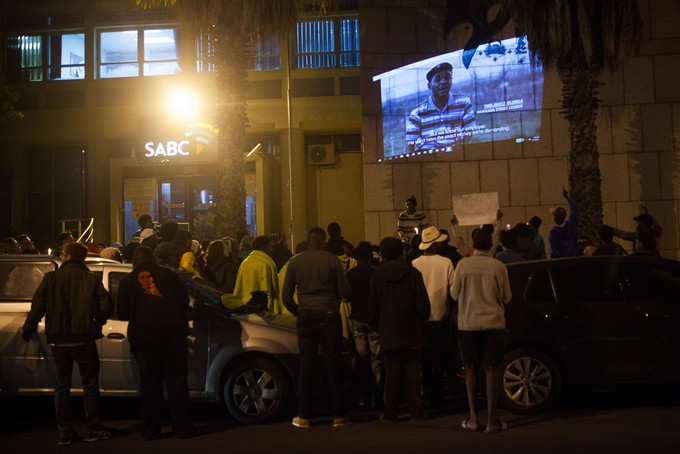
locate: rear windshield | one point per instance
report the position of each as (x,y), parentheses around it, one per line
(19,281)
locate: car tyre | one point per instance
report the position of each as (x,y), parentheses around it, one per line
(257,390)
(530,381)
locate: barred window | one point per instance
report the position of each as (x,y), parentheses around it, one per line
(38,57)
(327,43)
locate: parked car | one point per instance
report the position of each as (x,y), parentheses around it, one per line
(589,322)
(247,360)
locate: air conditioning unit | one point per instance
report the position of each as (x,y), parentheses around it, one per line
(322,154)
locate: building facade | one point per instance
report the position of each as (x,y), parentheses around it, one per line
(638,130)
(119,104)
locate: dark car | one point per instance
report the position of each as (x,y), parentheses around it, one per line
(589,322)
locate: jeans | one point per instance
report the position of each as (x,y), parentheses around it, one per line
(320,329)
(87,359)
(409,360)
(164,361)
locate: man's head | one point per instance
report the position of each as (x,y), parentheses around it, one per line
(9,246)
(142,254)
(606,234)
(63,239)
(333,230)
(262,243)
(481,240)
(508,238)
(411,204)
(168,231)
(25,243)
(559,214)
(75,252)
(363,252)
(534,224)
(391,248)
(145,221)
(432,237)
(522,230)
(439,80)
(316,237)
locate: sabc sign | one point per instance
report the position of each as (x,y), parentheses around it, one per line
(198,138)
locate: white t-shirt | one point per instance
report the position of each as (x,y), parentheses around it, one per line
(437,273)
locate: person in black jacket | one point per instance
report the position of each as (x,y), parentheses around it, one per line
(76,306)
(155,301)
(400,309)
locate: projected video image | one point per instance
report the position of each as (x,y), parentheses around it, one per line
(490,94)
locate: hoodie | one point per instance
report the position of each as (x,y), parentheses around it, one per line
(400,306)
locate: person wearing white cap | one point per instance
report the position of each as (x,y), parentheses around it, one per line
(437,274)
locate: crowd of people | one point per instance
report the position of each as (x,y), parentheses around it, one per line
(401,308)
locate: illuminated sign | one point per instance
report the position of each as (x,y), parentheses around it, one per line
(166,149)
(198,142)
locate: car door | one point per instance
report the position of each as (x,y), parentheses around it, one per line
(24,366)
(117,370)
(602,333)
(657,287)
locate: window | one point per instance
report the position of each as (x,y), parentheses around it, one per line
(19,281)
(56,56)
(327,43)
(265,55)
(56,190)
(131,53)
(596,284)
(657,283)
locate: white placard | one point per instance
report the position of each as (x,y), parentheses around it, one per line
(475,209)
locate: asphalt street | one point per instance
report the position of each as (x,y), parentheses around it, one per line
(612,422)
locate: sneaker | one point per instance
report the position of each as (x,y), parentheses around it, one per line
(96,435)
(303,423)
(65,441)
(342,422)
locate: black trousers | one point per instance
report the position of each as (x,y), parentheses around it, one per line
(164,361)
(409,360)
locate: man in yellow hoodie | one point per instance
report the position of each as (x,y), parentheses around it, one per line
(256,273)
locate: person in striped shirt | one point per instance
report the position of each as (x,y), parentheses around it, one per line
(444,119)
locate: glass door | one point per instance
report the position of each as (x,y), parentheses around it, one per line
(174,204)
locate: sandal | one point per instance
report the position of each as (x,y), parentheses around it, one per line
(501,426)
(466,425)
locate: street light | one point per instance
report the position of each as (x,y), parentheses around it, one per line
(183,104)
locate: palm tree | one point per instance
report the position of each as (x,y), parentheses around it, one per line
(231,25)
(580,38)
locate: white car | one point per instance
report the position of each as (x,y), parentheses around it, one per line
(247,360)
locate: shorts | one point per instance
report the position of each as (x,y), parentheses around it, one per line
(482,347)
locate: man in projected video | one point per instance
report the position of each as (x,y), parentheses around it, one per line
(444,119)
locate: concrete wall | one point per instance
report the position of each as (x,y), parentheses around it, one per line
(638,131)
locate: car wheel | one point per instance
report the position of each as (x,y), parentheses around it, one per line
(530,381)
(257,390)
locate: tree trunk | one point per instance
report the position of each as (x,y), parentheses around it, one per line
(580,103)
(232,86)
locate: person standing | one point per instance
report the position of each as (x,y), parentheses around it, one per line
(562,237)
(437,274)
(411,222)
(482,289)
(321,283)
(76,306)
(400,309)
(154,300)
(370,366)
